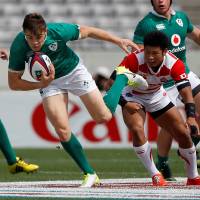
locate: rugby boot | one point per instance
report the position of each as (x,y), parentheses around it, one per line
(158,180)
(22,166)
(193,181)
(90,180)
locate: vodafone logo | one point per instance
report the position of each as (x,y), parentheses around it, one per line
(88,129)
(175,40)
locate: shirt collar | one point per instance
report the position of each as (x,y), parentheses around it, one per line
(173,12)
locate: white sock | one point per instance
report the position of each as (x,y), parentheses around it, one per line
(144,152)
(189,156)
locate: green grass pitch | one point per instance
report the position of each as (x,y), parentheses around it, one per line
(55,164)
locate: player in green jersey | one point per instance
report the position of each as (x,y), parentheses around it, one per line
(68,74)
(177,26)
(15,164)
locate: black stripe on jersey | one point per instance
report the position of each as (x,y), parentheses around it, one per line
(158,113)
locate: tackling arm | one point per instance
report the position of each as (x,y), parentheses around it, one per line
(96,33)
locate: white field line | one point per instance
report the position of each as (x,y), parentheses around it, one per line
(111,188)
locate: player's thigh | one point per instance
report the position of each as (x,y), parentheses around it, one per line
(172,122)
(56,110)
(95,105)
(134,121)
(135,124)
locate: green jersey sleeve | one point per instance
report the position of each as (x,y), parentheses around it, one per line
(190,25)
(68,32)
(17,56)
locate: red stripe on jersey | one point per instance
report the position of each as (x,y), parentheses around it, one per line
(130,62)
(178,71)
(164,71)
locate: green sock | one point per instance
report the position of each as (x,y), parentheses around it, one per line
(5,146)
(195,140)
(162,160)
(163,166)
(75,150)
(111,98)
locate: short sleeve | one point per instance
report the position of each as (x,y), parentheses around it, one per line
(17,56)
(190,25)
(68,32)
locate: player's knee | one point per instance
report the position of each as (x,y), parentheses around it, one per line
(136,129)
(138,136)
(63,133)
(183,137)
(103,118)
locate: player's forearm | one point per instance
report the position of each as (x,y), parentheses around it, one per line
(186,94)
(24,85)
(97,33)
(15,82)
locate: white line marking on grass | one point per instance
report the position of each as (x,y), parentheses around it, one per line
(110,188)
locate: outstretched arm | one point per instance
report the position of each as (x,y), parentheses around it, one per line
(96,33)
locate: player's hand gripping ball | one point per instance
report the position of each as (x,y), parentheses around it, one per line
(38,62)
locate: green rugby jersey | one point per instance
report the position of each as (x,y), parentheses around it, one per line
(176,29)
(63,57)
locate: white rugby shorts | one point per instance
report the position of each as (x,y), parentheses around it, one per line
(152,102)
(78,82)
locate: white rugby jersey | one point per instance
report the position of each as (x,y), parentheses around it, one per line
(171,68)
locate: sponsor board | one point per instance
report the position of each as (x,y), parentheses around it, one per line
(27,126)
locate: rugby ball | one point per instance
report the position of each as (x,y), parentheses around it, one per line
(37,63)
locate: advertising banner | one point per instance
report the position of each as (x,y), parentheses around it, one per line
(27,126)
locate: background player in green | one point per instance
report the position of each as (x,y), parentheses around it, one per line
(70,76)
(177,26)
(15,164)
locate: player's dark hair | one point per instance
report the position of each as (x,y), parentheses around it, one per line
(156,39)
(153,5)
(34,22)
